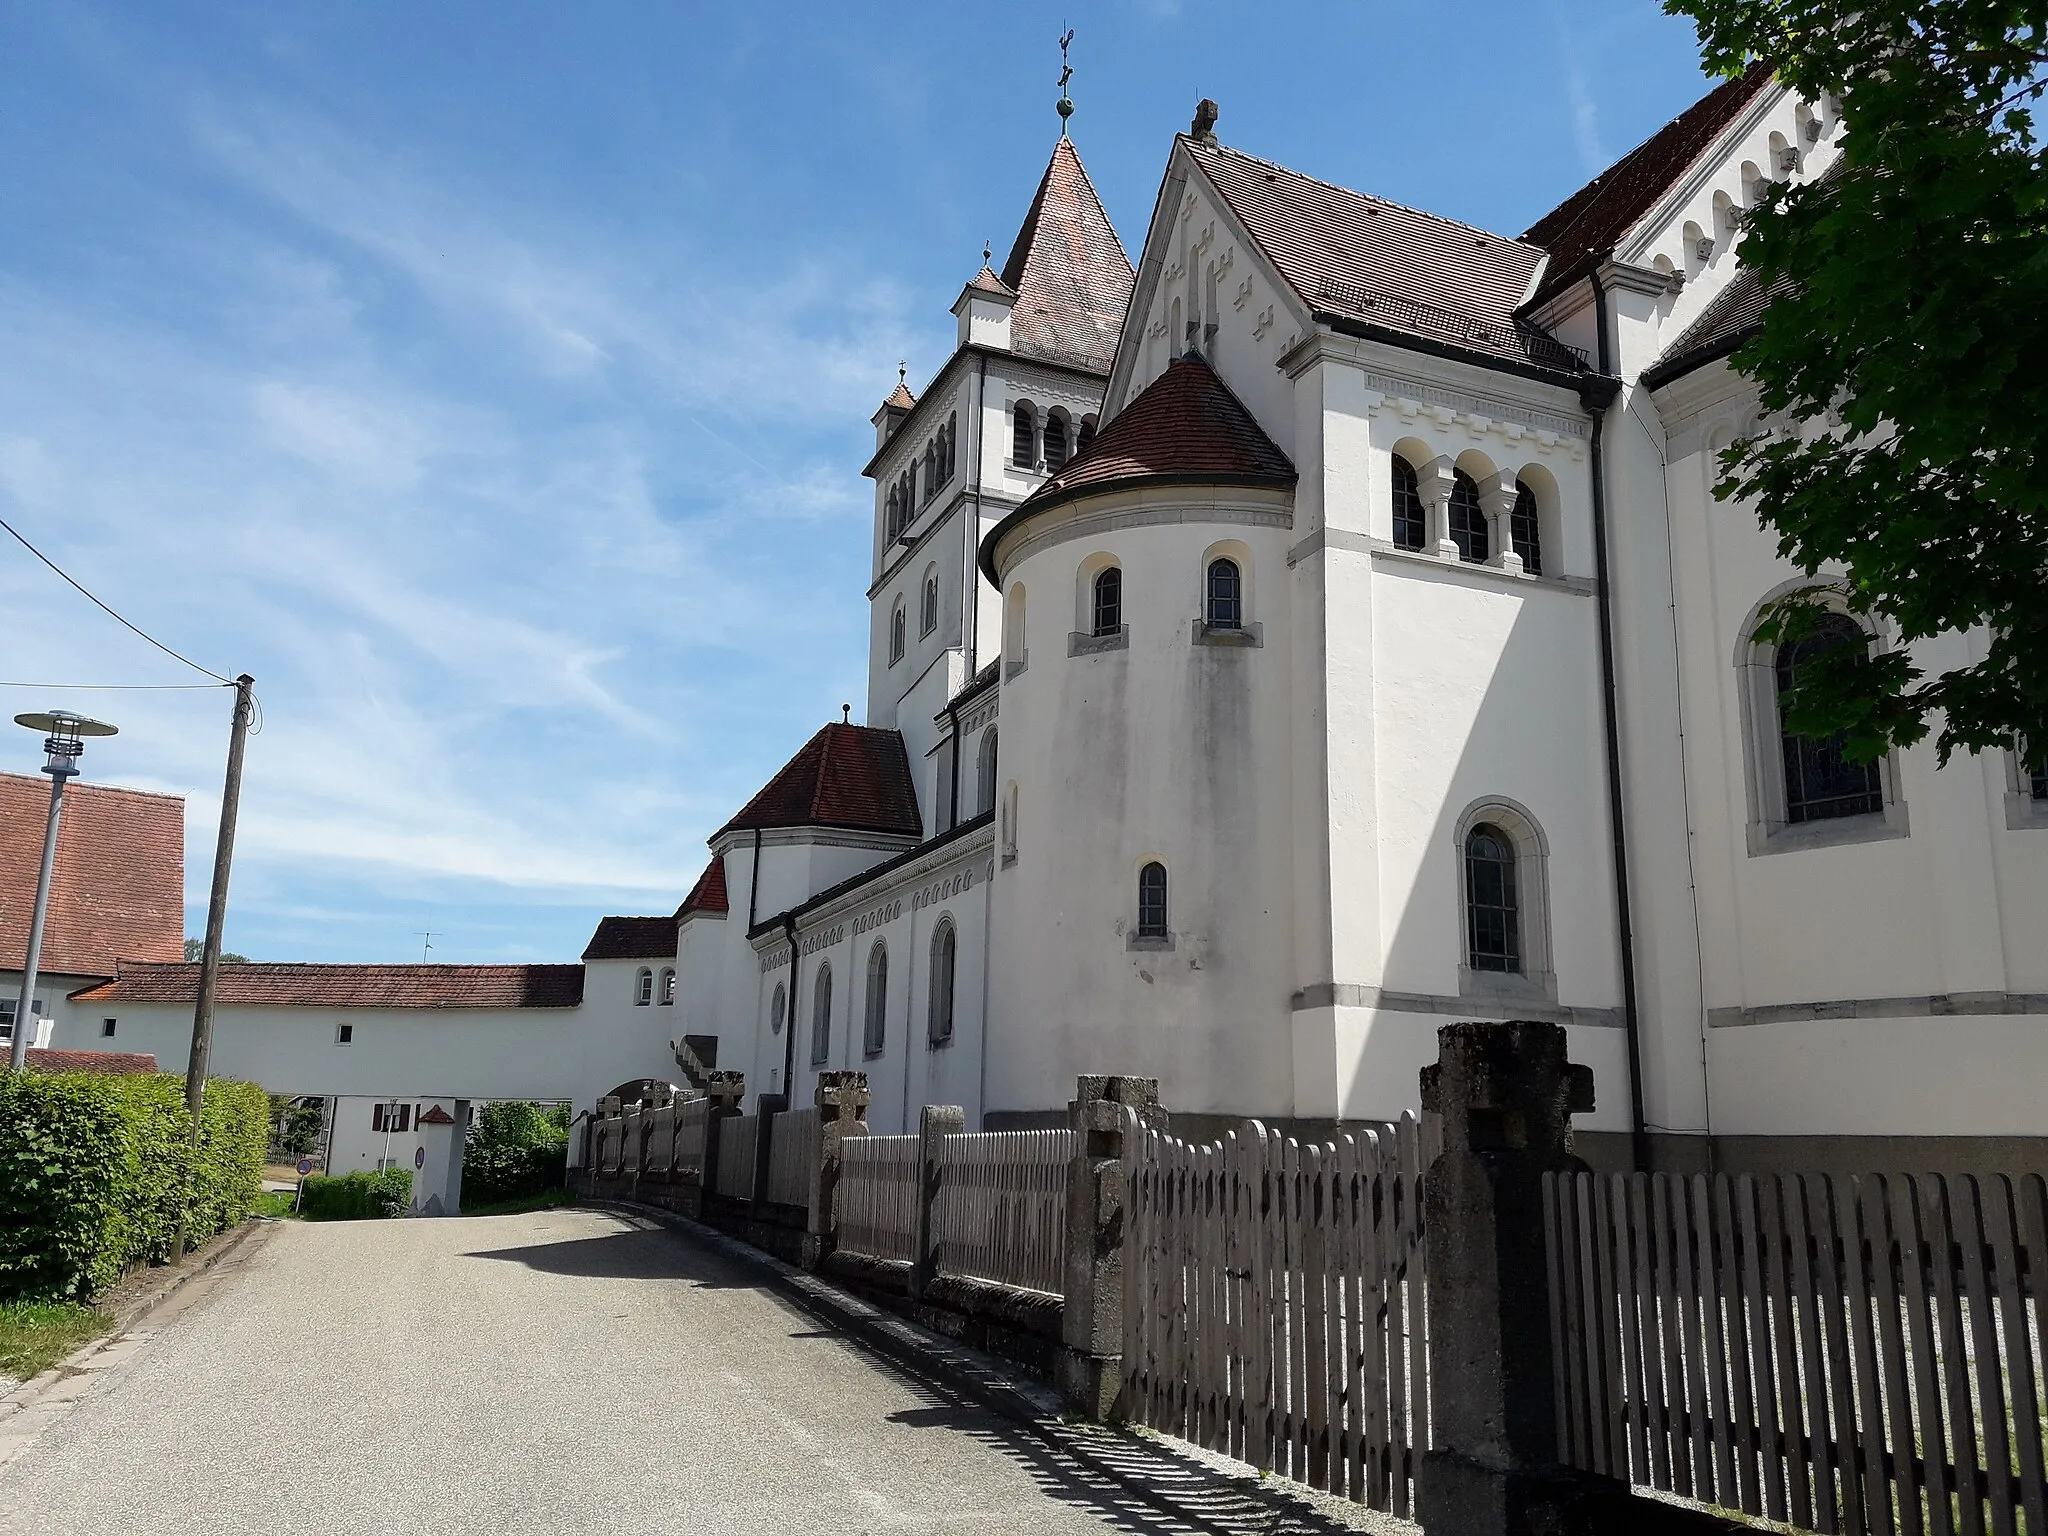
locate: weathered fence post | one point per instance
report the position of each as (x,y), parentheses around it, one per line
(724,1090)
(935,1122)
(842,1112)
(767,1109)
(1092,1329)
(1506,1094)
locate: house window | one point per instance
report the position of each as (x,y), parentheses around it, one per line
(1526,529)
(952,441)
(1109,601)
(668,987)
(395,1118)
(1085,438)
(894,521)
(931,469)
(643,988)
(928,618)
(874,1023)
(107,1028)
(1468,519)
(1821,784)
(1023,438)
(940,1028)
(1409,521)
(896,637)
(1226,595)
(821,1017)
(7,1016)
(344,1034)
(985,773)
(1152,901)
(1493,938)
(1055,442)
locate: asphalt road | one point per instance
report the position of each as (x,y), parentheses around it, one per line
(557,1372)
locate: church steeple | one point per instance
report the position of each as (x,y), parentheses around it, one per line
(1068,270)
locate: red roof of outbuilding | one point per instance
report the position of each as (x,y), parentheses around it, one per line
(632,938)
(708,894)
(117,891)
(350,986)
(1581,232)
(104,1063)
(851,776)
(1068,270)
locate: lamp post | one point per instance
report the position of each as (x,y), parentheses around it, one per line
(63,743)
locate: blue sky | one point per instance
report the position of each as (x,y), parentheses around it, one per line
(492,380)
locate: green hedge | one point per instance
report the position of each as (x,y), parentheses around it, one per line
(514,1150)
(357,1196)
(95,1171)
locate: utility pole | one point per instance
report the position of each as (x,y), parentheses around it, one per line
(216,920)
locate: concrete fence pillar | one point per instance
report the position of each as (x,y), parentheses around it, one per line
(842,1112)
(724,1090)
(1506,1094)
(935,1122)
(1092,1340)
(766,1108)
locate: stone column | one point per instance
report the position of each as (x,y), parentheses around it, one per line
(1506,1094)
(1433,483)
(724,1090)
(1497,493)
(766,1108)
(842,1112)
(1092,1328)
(935,1122)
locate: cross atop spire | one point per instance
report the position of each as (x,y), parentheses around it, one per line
(1065,105)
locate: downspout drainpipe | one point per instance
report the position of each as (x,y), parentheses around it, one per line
(1596,408)
(953,805)
(754,883)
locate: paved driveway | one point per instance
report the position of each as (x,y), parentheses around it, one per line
(565,1371)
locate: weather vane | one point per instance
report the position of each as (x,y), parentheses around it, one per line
(1065,106)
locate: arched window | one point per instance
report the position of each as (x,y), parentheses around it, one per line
(952,443)
(985,773)
(776,1007)
(643,988)
(894,521)
(1055,442)
(1152,901)
(1023,438)
(1409,521)
(875,1011)
(1493,925)
(1085,438)
(1820,782)
(940,1021)
(1008,829)
(931,469)
(1468,519)
(668,987)
(821,1017)
(1109,600)
(1225,608)
(1526,529)
(909,488)
(896,633)
(1014,653)
(928,617)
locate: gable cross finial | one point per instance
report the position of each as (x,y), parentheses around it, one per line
(1065,105)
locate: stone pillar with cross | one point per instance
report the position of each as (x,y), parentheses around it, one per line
(1098,1200)
(842,1112)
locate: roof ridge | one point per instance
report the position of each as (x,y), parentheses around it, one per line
(1371,197)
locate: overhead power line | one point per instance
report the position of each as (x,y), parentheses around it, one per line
(119,687)
(109,612)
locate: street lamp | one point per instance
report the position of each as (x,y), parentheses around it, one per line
(63,742)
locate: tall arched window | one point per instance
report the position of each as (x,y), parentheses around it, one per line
(985,773)
(1023,438)
(1410,524)
(1152,901)
(1468,519)
(896,633)
(1014,653)
(1820,783)
(1493,925)
(643,988)
(821,1017)
(894,521)
(928,616)
(1055,442)
(931,469)
(776,1007)
(1526,528)
(1085,438)
(667,992)
(1225,608)
(875,1011)
(952,443)
(940,1020)
(1109,601)
(909,490)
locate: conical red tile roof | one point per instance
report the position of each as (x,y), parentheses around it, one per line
(851,776)
(1068,270)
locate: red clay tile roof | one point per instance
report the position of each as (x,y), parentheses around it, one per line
(103,1063)
(1068,270)
(350,986)
(118,889)
(632,938)
(1582,231)
(708,894)
(900,398)
(986,281)
(852,776)
(1725,324)
(1350,254)
(436,1115)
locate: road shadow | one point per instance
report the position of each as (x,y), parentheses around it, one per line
(628,1253)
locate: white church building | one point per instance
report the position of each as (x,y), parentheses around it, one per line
(1324,629)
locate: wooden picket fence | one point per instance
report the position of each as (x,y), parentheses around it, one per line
(876,1201)
(792,1155)
(1852,1354)
(1275,1303)
(736,1135)
(1001,1211)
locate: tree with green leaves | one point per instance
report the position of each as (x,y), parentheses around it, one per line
(1906,344)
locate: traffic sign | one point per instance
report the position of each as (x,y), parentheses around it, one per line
(305,1166)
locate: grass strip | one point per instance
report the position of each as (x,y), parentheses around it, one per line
(35,1335)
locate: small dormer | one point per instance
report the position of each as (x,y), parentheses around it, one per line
(983,310)
(893,411)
